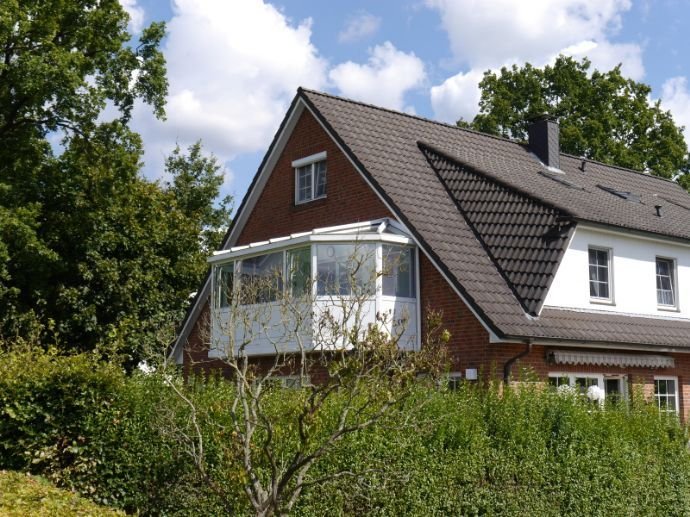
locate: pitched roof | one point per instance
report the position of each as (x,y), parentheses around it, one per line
(444,183)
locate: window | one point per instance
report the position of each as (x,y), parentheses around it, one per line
(343,268)
(600,274)
(299,271)
(261,278)
(666,394)
(665,282)
(224,282)
(454,381)
(398,271)
(310,178)
(613,387)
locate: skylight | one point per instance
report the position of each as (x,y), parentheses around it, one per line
(561,180)
(628,196)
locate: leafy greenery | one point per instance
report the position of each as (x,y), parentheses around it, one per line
(92,253)
(118,439)
(23,494)
(602,115)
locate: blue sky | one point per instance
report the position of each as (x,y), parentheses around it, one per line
(234,65)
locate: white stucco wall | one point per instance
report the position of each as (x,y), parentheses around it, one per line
(633,273)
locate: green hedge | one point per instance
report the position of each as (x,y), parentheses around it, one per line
(88,426)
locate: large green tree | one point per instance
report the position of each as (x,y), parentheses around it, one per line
(602,115)
(91,252)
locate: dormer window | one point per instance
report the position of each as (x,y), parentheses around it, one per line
(310,178)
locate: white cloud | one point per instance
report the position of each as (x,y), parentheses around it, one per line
(488,35)
(383,80)
(359,26)
(136,15)
(457,97)
(675,97)
(606,56)
(233,68)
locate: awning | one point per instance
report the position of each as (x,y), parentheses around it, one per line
(611,359)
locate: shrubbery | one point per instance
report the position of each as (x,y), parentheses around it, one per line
(120,440)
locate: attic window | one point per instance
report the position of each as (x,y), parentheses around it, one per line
(560,180)
(628,196)
(310,178)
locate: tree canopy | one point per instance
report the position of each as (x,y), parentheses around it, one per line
(91,252)
(603,116)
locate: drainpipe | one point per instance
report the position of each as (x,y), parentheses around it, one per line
(509,363)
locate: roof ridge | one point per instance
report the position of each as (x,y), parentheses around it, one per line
(479,133)
(409,115)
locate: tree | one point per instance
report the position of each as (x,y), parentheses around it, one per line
(90,251)
(365,373)
(602,115)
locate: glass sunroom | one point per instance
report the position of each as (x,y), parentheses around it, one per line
(308,290)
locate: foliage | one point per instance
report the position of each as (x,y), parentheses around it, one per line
(477,450)
(91,253)
(23,494)
(602,115)
(85,425)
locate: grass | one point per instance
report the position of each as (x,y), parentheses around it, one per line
(22,494)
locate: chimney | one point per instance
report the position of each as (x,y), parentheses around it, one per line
(543,140)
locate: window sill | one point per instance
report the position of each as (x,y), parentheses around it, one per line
(300,204)
(667,308)
(602,301)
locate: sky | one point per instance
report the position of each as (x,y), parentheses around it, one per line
(235,65)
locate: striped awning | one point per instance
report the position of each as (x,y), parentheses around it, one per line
(611,359)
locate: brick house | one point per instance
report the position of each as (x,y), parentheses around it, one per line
(578,270)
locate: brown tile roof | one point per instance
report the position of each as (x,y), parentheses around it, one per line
(499,278)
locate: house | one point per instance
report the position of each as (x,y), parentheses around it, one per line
(576,269)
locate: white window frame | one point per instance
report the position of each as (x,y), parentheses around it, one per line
(453,381)
(596,299)
(311,160)
(657,398)
(674,284)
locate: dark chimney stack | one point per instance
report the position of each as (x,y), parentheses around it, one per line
(543,140)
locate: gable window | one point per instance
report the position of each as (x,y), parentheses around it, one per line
(666,394)
(310,178)
(224,279)
(600,274)
(666,282)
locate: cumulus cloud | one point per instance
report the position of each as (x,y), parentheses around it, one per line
(488,35)
(233,68)
(383,80)
(457,97)
(136,15)
(675,97)
(359,26)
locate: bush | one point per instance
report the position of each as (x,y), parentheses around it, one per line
(22,494)
(87,426)
(123,441)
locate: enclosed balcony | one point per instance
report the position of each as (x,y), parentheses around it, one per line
(315,291)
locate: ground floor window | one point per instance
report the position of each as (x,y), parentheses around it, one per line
(610,387)
(666,394)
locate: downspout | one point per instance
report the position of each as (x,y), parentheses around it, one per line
(509,363)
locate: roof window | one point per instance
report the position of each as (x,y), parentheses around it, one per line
(628,196)
(560,180)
